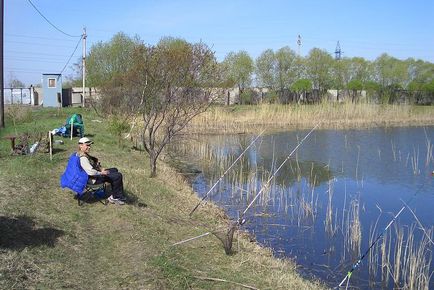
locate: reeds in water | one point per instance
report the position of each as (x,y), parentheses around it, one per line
(403,262)
(329,228)
(429,150)
(415,161)
(355,227)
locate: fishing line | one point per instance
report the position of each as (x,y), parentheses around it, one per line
(224,173)
(359,261)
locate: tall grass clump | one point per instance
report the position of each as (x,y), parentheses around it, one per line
(18,114)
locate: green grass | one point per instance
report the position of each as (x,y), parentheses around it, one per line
(48,242)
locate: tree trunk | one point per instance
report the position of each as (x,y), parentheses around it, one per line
(240,92)
(153,164)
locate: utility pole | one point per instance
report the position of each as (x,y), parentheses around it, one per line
(2,94)
(84,63)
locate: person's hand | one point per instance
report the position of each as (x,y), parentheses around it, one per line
(104,172)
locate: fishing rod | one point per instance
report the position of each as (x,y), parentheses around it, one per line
(224,173)
(359,261)
(241,220)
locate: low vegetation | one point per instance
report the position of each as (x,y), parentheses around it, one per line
(236,119)
(48,242)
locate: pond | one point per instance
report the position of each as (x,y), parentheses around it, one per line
(331,200)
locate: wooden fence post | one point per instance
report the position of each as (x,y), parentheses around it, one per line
(50,140)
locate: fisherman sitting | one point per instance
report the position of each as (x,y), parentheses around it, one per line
(90,171)
(97,174)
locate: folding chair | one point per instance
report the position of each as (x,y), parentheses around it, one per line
(77,180)
(92,192)
(74,126)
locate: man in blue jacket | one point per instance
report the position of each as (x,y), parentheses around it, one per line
(83,168)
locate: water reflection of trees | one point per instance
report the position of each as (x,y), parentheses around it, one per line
(313,172)
(260,160)
(293,171)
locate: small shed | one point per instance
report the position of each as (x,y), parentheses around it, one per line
(52,90)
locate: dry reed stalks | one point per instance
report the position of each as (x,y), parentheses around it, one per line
(253,118)
(415,161)
(355,227)
(329,212)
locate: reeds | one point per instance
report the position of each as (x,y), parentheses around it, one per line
(355,227)
(402,260)
(412,260)
(385,258)
(415,161)
(343,115)
(429,149)
(329,229)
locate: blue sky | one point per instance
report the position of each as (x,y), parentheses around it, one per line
(364,28)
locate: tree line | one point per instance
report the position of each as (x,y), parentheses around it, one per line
(385,80)
(162,87)
(288,76)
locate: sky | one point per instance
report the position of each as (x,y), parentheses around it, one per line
(364,28)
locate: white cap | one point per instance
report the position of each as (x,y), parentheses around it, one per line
(85,140)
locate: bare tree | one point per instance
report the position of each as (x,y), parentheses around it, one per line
(168,86)
(14,82)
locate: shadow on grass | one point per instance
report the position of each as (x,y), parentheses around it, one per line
(17,233)
(132,199)
(58,150)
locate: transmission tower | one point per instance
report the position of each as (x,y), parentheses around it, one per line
(338,56)
(338,52)
(299,44)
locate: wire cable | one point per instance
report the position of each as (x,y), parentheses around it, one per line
(49,22)
(71,55)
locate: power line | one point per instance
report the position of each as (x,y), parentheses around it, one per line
(12,35)
(32,59)
(23,71)
(71,55)
(36,43)
(49,22)
(16,52)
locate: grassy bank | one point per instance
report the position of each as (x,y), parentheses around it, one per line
(332,115)
(48,242)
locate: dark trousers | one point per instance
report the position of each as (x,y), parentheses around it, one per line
(115,179)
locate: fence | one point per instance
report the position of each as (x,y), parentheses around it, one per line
(22,96)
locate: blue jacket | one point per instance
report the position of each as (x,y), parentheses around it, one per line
(74,177)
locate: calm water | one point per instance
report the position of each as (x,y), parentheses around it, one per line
(323,205)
